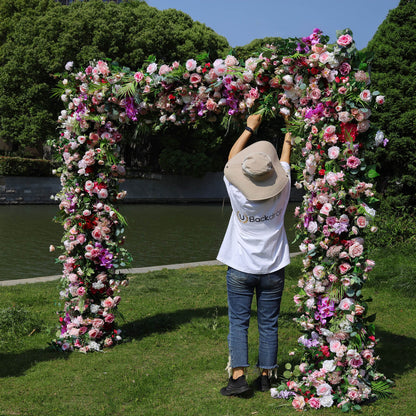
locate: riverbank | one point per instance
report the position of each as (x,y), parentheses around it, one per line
(153,188)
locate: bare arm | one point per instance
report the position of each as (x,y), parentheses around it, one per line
(287,145)
(253,122)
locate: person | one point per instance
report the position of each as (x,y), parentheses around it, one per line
(256,250)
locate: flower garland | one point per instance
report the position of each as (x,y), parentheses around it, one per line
(325,88)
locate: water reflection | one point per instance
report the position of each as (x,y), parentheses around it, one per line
(157,235)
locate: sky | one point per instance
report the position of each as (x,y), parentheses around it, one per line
(241,21)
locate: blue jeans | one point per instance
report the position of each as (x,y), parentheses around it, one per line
(240,289)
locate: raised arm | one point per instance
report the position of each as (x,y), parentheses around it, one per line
(253,122)
(287,145)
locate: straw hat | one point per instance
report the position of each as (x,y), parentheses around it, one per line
(257,172)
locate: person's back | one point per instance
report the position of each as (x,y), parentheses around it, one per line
(256,250)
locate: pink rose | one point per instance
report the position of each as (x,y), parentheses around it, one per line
(102,193)
(324,57)
(344,267)
(319,272)
(330,130)
(195,78)
(298,402)
(346,304)
(109,318)
(81,291)
(355,250)
(108,302)
(164,69)
(190,65)
(326,208)
(103,68)
(344,116)
(314,403)
(97,323)
(362,221)
(344,40)
(380,99)
(93,333)
(230,60)
(363,126)
(366,95)
(335,346)
(323,389)
(353,162)
(211,105)
(333,152)
(312,227)
(315,94)
(369,265)
(151,68)
(345,68)
(138,76)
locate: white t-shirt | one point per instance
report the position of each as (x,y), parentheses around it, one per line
(255,241)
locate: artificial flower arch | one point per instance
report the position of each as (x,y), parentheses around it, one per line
(325,89)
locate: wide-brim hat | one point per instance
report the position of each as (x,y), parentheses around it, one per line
(257,172)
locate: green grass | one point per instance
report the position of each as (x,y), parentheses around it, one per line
(173,362)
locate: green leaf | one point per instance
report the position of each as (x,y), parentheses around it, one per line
(372,174)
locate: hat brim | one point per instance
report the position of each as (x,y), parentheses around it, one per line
(256,190)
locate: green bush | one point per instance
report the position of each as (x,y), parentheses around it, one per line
(19,166)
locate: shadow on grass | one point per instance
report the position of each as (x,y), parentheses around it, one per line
(13,364)
(397,353)
(166,322)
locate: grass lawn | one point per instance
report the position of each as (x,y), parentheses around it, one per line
(173,362)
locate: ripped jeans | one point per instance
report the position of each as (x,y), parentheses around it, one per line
(240,290)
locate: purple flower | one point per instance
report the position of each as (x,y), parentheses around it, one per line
(325,309)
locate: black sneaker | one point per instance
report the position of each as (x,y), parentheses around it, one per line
(235,387)
(263,383)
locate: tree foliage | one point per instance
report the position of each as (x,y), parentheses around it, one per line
(37,38)
(394,75)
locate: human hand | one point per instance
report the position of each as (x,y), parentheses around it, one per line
(254,121)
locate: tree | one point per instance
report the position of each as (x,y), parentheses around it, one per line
(37,38)
(393,73)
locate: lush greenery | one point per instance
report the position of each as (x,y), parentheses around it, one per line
(19,166)
(394,74)
(37,38)
(174,361)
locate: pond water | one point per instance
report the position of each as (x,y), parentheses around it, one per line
(156,235)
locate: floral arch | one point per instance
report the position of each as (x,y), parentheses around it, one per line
(325,88)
